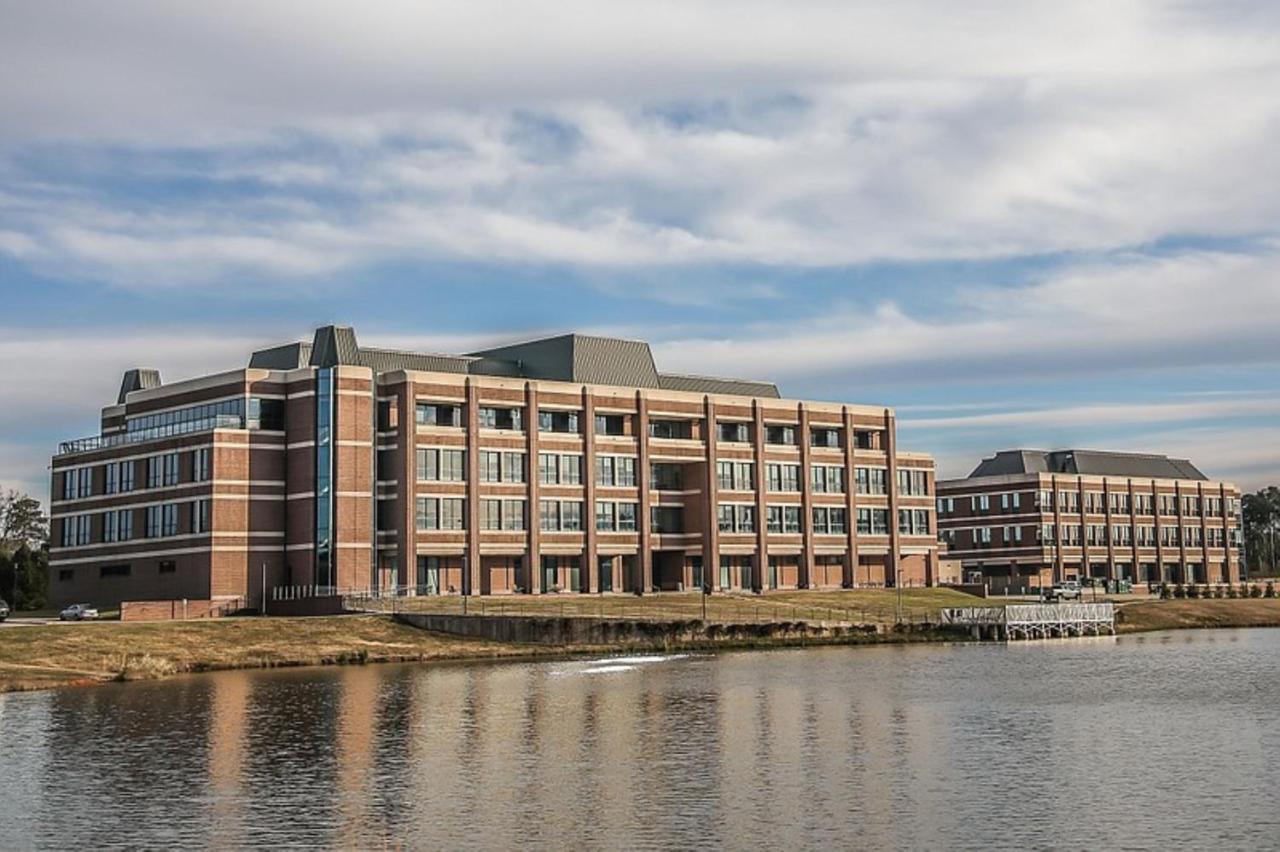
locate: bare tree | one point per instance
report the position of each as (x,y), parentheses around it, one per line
(22,522)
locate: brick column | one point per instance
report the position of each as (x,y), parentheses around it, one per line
(1133,533)
(1159,522)
(1059,573)
(532,569)
(1182,541)
(471,582)
(1228,575)
(407,486)
(762,528)
(805,571)
(891,448)
(711,543)
(591,583)
(644,561)
(1111,545)
(1204,533)
(851,500)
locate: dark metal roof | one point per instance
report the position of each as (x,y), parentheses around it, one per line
(1087,463)
(139,379)
(711,384)
(567,358)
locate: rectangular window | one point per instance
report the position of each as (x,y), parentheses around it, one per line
(170,469)
(671,429)
(513,514)
(783,477)
(828,520)
(200,511)
(558,421)
(732,433)
(605,516)
(610,424)
(169,521)
(441,465)
(724,475)
(825,438)
(490,514)
(627,513)
(111,484)
(202,464)
(783,435)
(548,515)
(625,472)
(438,414)
(490,466)
(827,479)
(155,471)
(912,482)
(548,468)
(117,525)
(507,419)
(571,470)
(872,480)
(167,567)
(452,514)
(604,470)
(570,516)
(873,521)
(513,467)
(724,516)
(114,571)
(428,513)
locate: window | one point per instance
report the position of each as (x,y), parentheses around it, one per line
(114,571)
(201,464)
(200,511)
(77,483)
(570,516)
(119,477)
(162,471)
(1011,500)
(167,567)
(65,575)
(490,514)
(735,476)
(162,520)
(616,471)
(513,515)
(441,465)
(513,467)
(733,433)
(666,519)
(736,518)
(873,521)
(619,517)
(913,522)
(558,421)
(866,439)
(438,414)
(76,530)
(226,413)
(946,505)
(490,466)
(912,482)
(827,479)
(508,419)
(980,502)
(828,520)
(783,519)
(267,414)
(671,429)
(605,516)
(825,438)
(783,477)
(611,424)
(666,476)
(556,469)
(784,435)
(117,525)
(872,480)
(441,513)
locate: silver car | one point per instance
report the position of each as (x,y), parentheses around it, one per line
(4,610)
(78,612)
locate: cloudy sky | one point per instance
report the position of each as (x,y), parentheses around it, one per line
(1021,224)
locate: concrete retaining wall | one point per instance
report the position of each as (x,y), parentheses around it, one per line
(173,610)
(616,632)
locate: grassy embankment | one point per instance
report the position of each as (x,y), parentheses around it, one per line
(1191,614)
(58,654)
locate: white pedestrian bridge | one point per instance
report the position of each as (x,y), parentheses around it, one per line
(1035,621)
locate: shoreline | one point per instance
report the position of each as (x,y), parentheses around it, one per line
(42,657)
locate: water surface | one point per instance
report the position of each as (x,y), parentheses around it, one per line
(1156,741)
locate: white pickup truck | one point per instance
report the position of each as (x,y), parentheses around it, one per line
(1068,590)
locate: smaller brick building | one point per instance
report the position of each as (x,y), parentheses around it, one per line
(1029,517)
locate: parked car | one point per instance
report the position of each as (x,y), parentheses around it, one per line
(78,612)
(4,610)
(1068,590)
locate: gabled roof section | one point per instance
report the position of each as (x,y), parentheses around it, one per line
(335,345)
(581,358)
(1087,463)
(289,356)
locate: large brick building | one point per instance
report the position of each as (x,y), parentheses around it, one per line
(568,464)
(1028,517)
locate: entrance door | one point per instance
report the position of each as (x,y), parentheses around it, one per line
(428,575)
(604,569)
(695,566)
(724,572)
(549,579)
(773,572)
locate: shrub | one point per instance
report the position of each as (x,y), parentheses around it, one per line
(1255,591)
(1165,592)
(1193,591)
(1179,591)
(1270,590)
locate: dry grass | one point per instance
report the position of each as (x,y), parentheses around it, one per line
(35,657)
(860,606)
(1182,614)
